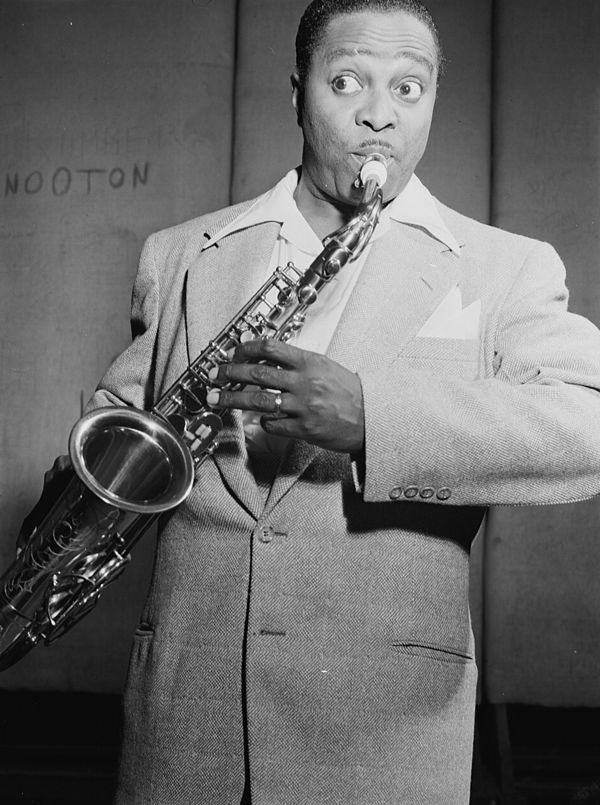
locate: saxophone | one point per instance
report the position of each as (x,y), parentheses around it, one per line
(130,466)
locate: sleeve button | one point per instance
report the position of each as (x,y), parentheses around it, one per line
(396,493)
(411,492)
(443,493)
(427,492)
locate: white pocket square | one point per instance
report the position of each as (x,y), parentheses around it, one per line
(451,320)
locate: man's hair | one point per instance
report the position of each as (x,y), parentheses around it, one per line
(319,13)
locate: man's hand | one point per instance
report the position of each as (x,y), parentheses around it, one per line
(302,394)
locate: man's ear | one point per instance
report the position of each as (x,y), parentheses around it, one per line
(297,95)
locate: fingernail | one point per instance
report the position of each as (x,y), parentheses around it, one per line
(212,397)
(212,373)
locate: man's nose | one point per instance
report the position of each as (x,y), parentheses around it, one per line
(376,111)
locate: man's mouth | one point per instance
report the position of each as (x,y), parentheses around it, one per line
(371,147)
(374,143)
(361,156)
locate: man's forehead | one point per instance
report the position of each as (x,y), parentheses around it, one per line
(405,54)
(380,34)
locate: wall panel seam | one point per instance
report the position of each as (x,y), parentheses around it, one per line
(237,33)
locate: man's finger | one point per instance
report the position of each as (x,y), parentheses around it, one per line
(252,374)
(286,426)
(267,402)
(270,350)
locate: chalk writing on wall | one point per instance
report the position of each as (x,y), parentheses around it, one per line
(26,140)
(64,180)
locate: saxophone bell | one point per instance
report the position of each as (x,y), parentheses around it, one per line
(129,466)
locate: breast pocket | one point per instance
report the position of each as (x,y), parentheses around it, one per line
(458,356)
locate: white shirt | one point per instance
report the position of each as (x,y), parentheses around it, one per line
(297,242)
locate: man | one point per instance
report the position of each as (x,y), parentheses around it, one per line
(306,637)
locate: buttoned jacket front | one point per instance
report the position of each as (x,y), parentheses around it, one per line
(320,639)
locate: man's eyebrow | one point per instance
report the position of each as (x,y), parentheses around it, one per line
(342,52)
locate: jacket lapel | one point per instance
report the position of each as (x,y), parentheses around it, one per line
(406,275)
(228,274)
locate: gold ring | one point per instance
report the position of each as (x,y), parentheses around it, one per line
(277,400)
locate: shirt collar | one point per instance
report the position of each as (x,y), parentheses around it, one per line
(415,205)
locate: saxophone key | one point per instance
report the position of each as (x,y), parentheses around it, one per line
(202,432)
(216,347)
(193,399)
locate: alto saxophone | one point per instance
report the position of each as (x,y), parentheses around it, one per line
(130,465)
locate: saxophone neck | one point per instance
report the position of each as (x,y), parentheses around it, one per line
(354,235)
(372,177)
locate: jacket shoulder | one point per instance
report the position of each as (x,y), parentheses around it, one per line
(193,234)
(485,237)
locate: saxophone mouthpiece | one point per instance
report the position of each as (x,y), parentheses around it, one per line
(375,168)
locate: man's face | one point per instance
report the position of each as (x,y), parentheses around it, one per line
(370,88)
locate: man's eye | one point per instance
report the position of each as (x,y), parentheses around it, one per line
(346,84)
(410,90)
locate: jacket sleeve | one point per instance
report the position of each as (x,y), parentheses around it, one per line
(526,432)
(129,380)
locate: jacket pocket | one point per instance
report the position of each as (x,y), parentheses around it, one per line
(144,631)
(141,658)
(434,652)
(454,356)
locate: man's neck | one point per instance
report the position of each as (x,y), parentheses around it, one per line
(323,216)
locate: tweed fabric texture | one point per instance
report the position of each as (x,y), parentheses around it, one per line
(321,638)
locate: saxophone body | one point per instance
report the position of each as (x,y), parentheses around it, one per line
(130,466)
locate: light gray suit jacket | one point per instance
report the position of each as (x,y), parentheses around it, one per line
(320,639)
